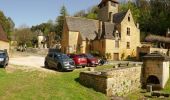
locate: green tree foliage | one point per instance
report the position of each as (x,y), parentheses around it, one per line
(133,7)
(91,13)
(60,21)
(44,27)
(7,24)
(24,35)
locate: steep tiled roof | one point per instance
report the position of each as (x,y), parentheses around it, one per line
(118,17)
(108,30)
(156,55)
(87,27)
(3,36)
(156,38)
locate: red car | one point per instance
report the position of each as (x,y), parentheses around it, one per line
(91,60)
(79,60)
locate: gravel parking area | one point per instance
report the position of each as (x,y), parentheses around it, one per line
(29,63)
(33,61)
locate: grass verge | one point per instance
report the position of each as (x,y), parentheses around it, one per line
(37,85)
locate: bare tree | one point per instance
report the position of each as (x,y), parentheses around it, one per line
(24,36)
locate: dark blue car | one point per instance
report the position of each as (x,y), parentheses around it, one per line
(4,59)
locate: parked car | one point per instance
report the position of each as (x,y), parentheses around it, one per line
(4,59)
(59,61)
(79,60)
(91,60)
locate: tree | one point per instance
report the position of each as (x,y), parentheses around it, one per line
(6,23)
(134,9)
(60,21)
(44,27)
(24,36)
(91,13)
(81,13)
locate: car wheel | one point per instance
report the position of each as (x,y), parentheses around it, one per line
(83,66)
(4,66)
(59,67)
(46,65)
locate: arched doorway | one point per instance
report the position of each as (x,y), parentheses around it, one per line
(153,80)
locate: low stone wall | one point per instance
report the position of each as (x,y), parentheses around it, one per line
(117,81)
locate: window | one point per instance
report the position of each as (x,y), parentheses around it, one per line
(128,31)
(129,18)
(128,45)
(116,44)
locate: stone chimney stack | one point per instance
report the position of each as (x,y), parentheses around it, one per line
(100,28)
(111,17)
(168,32)
(137,25)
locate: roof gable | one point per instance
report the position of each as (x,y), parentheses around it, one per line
(87,27)
(3,36)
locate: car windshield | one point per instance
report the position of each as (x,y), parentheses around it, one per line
(89,56)
(2,55)
(62,56)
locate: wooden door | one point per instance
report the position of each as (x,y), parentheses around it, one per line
(116,56)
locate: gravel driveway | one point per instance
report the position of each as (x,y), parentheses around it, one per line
(31,61)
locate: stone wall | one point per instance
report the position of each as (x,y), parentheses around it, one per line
(117,81)
(4,45)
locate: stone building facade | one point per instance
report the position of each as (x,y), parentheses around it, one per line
(4,43)
(115,33)
(156,70)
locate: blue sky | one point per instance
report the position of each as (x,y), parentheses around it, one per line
(33,12)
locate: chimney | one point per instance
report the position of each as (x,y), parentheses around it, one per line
(100,28)
(111,17)
(137,25)
(168,32)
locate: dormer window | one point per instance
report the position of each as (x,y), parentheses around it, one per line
(117,35)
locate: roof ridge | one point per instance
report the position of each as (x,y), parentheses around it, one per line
(81,18)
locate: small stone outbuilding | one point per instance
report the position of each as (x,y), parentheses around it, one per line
(155,70)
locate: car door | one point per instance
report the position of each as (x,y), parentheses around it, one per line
(50,60)
(56,60)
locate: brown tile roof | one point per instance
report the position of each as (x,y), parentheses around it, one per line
(156,38)
(88,28)
(156,55)
(118,17)
(3,36)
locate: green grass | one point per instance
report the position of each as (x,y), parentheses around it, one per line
(36,85)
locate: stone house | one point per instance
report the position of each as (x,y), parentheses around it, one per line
(4,42)
(115,33)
